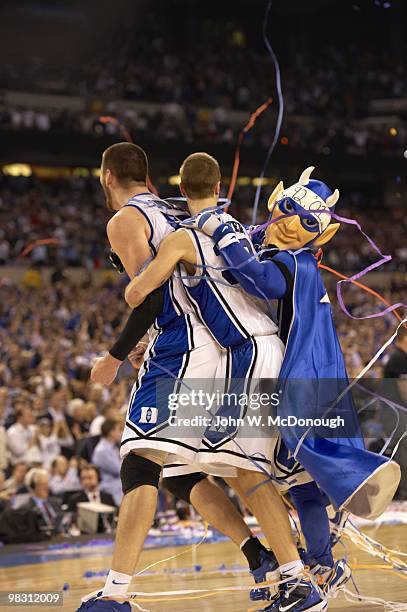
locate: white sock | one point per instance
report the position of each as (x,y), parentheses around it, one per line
(116,583)
(291,569)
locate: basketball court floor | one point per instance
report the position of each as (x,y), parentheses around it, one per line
(192,580)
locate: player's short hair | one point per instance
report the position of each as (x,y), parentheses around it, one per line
(199,174)
(127,161)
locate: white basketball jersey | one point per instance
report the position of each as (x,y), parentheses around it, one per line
(177,309)
(228,311)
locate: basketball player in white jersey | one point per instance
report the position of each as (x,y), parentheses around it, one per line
(181,346)
(253,351)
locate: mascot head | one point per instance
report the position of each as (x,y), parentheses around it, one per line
(301,207)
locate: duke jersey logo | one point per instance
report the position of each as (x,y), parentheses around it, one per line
(149,414)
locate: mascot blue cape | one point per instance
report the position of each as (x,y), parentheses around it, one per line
(313,374)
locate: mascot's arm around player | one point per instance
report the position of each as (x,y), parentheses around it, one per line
(354,479)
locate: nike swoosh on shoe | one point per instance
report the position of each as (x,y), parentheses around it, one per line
(286,608)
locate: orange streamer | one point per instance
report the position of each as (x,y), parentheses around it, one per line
(126,134)
(253,118)
(115,121)
(27,250)
(361,286)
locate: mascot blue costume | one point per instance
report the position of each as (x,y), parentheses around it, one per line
(313,380)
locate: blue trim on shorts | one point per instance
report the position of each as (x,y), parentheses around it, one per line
(242,362)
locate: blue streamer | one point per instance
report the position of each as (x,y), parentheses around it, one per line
(280,109)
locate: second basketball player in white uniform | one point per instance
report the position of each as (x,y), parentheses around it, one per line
(182,346)
(252,351)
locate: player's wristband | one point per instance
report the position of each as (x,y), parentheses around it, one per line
(137,324)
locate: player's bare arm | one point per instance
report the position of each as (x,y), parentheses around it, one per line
(175,248)
(128,233)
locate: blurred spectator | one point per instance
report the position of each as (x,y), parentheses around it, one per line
(16,482)
(89,480)
(6,495)
(4,251)
(106,457)
(3,440)
(108,413)
(5,404)
(374,432)
(64,476)
(396,366)
(22,438)
(47,509)
(57,403)
(48,439)
(79,417)
(58,275)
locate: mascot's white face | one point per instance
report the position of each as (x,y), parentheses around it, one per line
(300,215)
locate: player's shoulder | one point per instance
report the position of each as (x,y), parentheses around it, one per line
(179,237)
(143,200)
(125,219)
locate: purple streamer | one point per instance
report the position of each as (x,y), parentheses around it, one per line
(377,396)
(258,228)
(383,259)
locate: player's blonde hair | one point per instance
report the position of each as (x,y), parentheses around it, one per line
(200,173)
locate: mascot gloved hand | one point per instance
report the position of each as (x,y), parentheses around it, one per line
(206,222)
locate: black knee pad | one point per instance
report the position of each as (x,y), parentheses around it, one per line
(181,486)
(137,471)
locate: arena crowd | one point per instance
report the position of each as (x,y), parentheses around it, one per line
(59,432)
(173,122)
(328,97)
(220,68)
(49,209)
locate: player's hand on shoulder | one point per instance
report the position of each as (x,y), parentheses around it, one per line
(136,356)
(206,222)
